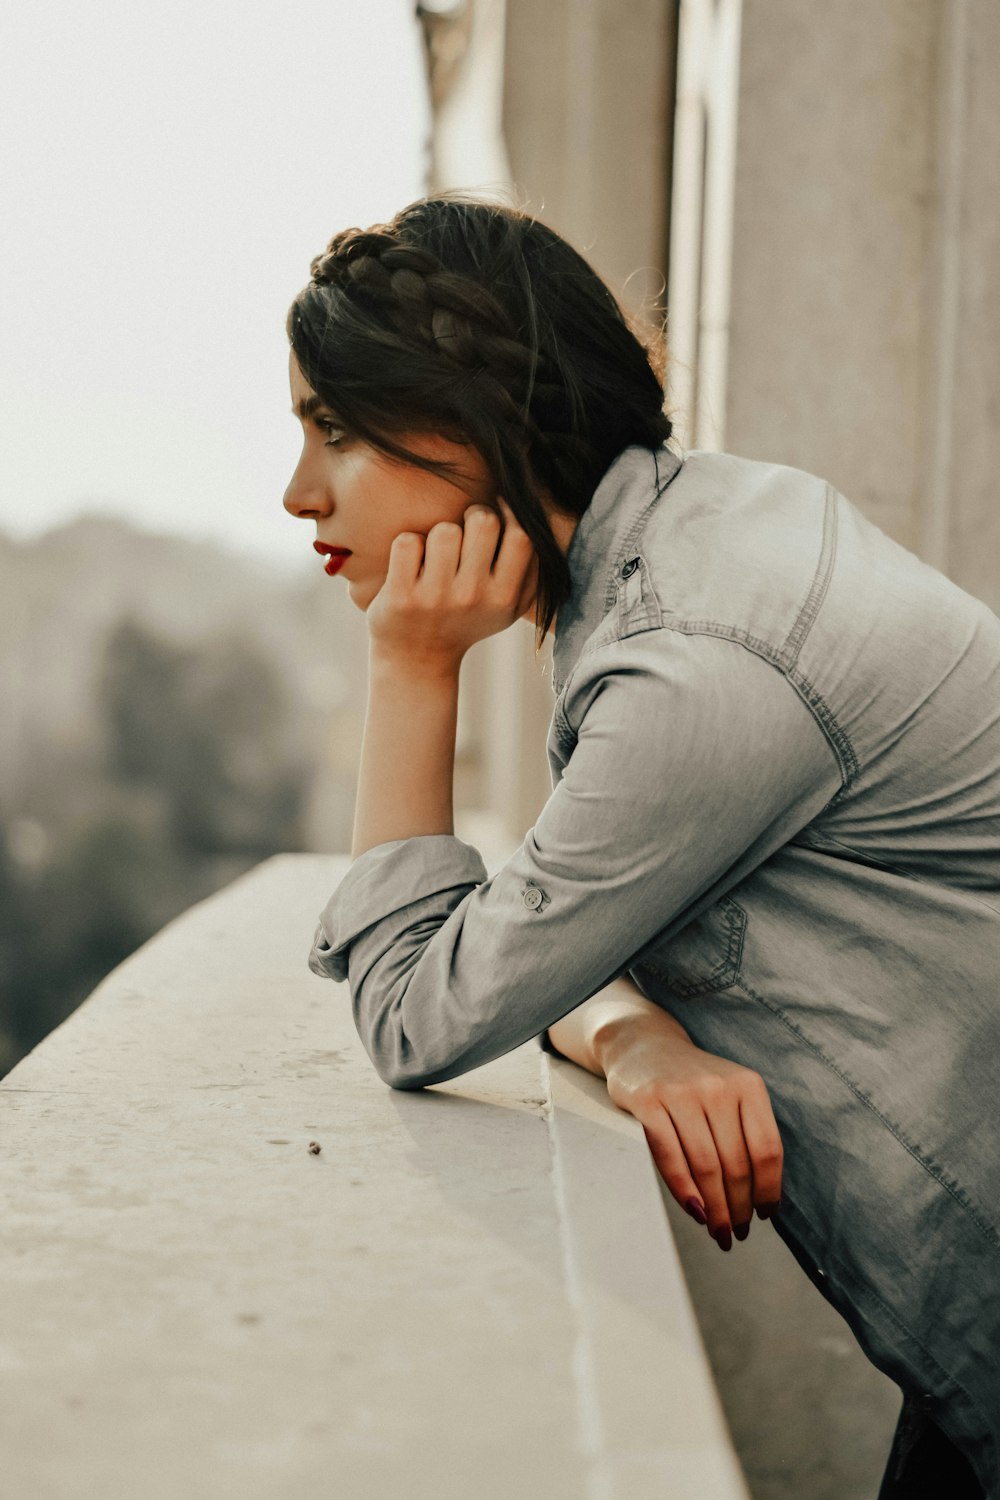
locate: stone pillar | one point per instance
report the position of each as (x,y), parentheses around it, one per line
(864,335)
(587,122)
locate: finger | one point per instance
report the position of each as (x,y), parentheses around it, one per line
(698,1145)
(737,1168)
(671,1163)
(481,529)
(517,551)
(760,1131)
(441,555)
(406,553)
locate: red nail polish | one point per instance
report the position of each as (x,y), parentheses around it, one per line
(696,1210)
(741,1231)
(724,1239)
(767,1209)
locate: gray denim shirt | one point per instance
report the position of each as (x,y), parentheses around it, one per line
(775,760)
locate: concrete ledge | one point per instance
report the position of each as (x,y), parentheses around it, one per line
(469,1289)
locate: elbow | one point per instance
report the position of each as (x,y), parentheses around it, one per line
(404,1084)
(404,1077)
(395,1061)
(404,1061)
(403,1069)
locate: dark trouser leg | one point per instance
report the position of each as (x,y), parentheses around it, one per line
(924,1464)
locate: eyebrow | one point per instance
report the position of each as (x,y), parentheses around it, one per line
(308,406)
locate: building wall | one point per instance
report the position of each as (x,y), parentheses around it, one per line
(865,306)
(968,390)
(587,121)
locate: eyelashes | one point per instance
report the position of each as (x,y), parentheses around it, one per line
(327,426)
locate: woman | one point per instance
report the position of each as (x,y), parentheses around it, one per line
(765,890)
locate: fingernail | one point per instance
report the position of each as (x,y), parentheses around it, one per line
(767,1209)
(741,1231)
(723,1239)
(696,1210)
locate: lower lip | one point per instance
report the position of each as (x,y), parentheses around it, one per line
(335,562)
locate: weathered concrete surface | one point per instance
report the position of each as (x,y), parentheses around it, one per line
(466,1291)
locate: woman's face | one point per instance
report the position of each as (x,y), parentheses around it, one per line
(361,498)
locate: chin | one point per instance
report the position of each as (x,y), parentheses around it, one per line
(359,596)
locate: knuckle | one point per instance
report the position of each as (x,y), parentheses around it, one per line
(645,1097)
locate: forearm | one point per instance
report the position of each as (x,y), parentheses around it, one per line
(591,1034)
(405,780)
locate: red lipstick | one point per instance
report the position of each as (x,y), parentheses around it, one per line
(335,556)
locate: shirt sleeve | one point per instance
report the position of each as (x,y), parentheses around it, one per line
(684,761)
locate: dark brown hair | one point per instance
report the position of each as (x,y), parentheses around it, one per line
(471,319)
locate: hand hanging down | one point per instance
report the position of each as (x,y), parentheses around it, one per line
(708,1123)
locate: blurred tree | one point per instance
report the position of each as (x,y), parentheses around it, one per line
(208,729)
(11,925)
(201,778)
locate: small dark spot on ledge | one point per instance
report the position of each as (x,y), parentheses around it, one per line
(315,1147)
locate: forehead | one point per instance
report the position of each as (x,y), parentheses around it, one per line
(305,402)
(298,382)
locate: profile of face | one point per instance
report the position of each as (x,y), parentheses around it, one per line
(360,498)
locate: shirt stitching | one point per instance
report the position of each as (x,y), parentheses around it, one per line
(959,1194)
(835,735)
(818,589)
(638,523)
(819,843)
(726,971)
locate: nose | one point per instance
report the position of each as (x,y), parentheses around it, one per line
(306,494)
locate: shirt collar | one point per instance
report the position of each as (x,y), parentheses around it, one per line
(601,543)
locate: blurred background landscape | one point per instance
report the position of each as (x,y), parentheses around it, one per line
(168,709)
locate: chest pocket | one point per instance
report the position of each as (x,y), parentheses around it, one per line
(705,955)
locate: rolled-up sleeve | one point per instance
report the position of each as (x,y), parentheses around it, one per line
(685,761)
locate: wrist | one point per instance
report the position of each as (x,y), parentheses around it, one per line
(408,668)
(625,1025)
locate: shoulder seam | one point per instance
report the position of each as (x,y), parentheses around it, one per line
(806,617)
(832,730)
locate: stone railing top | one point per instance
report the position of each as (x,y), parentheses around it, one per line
(470,1289)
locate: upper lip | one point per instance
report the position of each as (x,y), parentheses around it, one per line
(319,546)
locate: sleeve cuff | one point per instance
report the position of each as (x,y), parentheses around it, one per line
(382,883)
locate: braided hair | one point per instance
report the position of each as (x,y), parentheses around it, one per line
(470,319)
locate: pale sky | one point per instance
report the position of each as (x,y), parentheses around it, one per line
(168,172)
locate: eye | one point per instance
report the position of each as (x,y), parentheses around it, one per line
(325,425)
